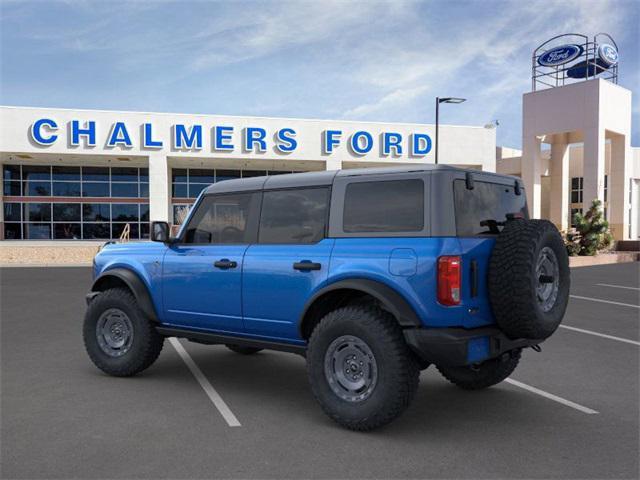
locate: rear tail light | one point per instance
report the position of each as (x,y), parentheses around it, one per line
(449,273)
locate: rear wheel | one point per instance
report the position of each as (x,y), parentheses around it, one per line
(118,337)
(242,350)
(361,371)
(486,374)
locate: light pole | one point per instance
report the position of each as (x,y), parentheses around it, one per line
(438,102)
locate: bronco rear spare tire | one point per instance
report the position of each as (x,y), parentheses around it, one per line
(529,279)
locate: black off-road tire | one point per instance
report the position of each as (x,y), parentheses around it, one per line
(513,280)
(146,342)
(397,369)
(481,376)
(242,350)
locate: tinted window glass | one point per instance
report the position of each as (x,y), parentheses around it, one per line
(11,172)
(37,231)
(12,231)
(34,172)
(66,173)
(96,212)
(69,231)
(179,190)
(95,189)
(66,212)
(12,212)
(124,212)
(124,189)
(100,174)
(202,176)
(37,212)
(196,188)
(224,219)
(66,189)
(222,175)
(387,206)
(124,174)
(294,216)
(487,201)
(12,189)
(179,175)
(37,189)
(96,230)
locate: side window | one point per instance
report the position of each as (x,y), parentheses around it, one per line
(294,216)
(224,219)
(384,206)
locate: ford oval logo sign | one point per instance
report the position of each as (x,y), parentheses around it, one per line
(560,55)
(608,54)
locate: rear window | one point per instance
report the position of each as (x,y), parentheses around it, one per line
(487,201)
(384,206)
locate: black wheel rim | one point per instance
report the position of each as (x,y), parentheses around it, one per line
(114,332)
(548,279)
(350,368)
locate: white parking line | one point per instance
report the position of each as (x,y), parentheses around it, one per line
(211,392)
(551,396)
(610,337)
(605,301)
(616,286)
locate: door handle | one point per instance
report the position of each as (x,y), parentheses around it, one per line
(225,263)
(306,265)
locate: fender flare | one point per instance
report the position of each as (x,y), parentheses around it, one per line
(395,303)
(135,284)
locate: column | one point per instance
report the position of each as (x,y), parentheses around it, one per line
(559,169)
(618,188)
(159,188)
(593,164)
(333,164)
(531,171)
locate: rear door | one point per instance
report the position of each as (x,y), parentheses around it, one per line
(202,274)
(289,261)
(477,206)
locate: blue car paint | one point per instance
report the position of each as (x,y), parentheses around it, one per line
(142,258)
(198,294)
(264,296)
(274,293)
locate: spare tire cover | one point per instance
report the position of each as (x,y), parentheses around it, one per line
(529,279)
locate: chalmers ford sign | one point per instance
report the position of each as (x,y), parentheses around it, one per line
(45,132)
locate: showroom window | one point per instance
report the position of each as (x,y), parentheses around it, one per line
(78,202)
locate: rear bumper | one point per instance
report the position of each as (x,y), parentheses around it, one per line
(459,346)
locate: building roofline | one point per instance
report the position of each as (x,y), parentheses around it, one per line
(18,107)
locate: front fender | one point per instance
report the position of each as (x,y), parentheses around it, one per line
(135,284)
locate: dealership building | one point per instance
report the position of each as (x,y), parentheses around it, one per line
(86,174)
(91,175)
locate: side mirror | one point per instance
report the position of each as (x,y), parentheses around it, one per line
(160,232)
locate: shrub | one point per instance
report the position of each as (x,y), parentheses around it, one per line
(591,234)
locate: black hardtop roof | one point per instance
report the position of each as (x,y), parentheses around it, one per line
(314,179)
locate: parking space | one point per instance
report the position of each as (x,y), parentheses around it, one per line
(62,418)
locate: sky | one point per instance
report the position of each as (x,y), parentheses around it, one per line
(368,60)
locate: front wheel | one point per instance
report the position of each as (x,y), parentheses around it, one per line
(118,337)
(361,371)
(484,375)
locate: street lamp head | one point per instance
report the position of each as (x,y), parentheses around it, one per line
(451,100)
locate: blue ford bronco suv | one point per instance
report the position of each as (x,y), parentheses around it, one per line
(371,274)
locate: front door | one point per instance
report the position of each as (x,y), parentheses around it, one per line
(202,272)
(289,261)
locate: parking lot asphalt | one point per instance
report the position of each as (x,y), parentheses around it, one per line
(62,418)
